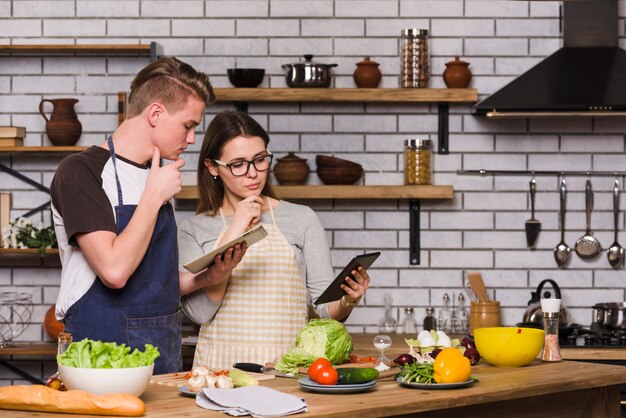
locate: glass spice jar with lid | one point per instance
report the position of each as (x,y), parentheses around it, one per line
(417,161)
(414,58)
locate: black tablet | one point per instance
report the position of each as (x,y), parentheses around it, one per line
(334,290)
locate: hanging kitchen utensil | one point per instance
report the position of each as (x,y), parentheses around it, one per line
(533,226)
(615,253)
(587,246)
(562,251)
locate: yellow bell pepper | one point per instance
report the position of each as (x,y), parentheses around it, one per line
(451,366)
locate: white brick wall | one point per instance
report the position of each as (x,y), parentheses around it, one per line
(480,229)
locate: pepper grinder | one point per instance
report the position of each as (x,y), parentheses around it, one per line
(551,309)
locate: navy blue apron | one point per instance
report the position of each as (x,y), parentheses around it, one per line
(146,309)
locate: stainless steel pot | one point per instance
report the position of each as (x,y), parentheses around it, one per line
(308,73)
(610,316)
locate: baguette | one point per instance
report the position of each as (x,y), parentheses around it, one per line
(45,399)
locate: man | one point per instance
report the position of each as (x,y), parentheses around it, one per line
(114,223)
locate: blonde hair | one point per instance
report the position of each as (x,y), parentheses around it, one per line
(169,81)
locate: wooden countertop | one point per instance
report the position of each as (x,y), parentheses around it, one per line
(362,346)
(547,389)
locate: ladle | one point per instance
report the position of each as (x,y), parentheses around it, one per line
(615,253)
(587,246)
(562,252)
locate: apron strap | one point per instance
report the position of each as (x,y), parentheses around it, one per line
(120,198)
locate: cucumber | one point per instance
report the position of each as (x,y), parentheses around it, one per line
(356,375)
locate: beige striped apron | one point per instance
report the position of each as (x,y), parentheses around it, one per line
(263,309)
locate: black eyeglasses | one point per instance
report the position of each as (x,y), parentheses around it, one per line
(241,168)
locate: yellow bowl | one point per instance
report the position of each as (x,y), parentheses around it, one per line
(508,346)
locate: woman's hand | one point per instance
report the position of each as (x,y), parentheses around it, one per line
(228,261)
(247,213)
(356,287)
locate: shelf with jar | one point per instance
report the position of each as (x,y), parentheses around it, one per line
(29,257)
(443,97)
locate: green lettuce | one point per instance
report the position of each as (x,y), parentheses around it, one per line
(100,355)
(319,338)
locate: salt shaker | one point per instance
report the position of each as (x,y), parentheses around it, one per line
(430,323)
(551,309)
(445,313)
(409,326)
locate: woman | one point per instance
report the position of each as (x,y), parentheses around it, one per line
(253,312)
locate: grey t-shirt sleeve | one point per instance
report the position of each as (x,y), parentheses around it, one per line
(317,261)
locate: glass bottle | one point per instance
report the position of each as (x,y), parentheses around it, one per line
(551,312)
(409,325)
(445,313)
(388,324)
(418,161)
(462,315)
(430,323)
(414,58)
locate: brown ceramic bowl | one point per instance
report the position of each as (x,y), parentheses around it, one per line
(328,161)
(340,175)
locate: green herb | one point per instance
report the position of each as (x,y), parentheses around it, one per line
(417,373)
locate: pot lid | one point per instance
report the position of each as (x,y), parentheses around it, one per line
(291,157)
(457,61)
(308,62)
(367,61)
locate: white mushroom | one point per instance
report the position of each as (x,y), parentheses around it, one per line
(200,371)
(210,380)
(224,382)
(196,383)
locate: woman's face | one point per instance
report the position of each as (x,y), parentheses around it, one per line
(241,149)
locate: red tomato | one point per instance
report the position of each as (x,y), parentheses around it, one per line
(316,366)
(327,376)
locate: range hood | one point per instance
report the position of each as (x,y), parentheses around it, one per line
(586,77)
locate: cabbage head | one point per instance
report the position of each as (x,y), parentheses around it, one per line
(319,338)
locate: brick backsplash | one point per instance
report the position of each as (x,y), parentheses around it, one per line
(480,229)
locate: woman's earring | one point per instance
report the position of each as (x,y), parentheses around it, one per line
(214,177)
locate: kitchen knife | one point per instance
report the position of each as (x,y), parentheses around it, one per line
(259,368)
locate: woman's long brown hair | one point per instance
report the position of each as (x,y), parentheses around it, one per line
(225,126)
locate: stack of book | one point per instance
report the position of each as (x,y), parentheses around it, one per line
(12,136)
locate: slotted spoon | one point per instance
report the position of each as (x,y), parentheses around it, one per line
(587,246)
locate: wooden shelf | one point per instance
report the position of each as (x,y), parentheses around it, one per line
(30,257)
(46,149)
(346,95)
(346,192)
(153,49)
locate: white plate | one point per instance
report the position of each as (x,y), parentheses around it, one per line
(185,391)
(434,386)
(308,384)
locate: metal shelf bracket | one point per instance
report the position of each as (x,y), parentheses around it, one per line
(33,183)
(443,131)
(414,231)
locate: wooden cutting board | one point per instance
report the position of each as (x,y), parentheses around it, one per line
(178,379)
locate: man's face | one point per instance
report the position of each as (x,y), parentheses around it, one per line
(175,131)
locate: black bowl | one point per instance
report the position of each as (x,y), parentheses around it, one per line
(245,77)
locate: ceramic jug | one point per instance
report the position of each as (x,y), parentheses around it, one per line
(457,74)
(63,128)
(367,74)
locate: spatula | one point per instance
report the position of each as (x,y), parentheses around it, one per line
(477,284)
(533,226)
